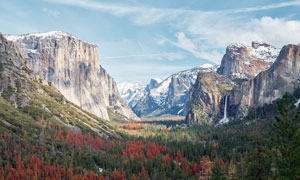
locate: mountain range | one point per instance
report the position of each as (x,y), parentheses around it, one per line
(248,77)
(166,97)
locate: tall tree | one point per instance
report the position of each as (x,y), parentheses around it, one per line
(218,172)
(287,140)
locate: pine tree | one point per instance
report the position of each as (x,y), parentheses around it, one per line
(242,169)
(218,172)
(259,165)
(287,140)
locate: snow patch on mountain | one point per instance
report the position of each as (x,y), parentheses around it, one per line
(245,62)
(297,103)
(264,51)
(206,66)
(131,92)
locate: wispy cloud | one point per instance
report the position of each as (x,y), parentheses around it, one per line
(169,56)
(267,7)
(51,12)
(204,33)
(146,15)
(190,45)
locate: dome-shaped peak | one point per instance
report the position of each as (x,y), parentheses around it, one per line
(206,66)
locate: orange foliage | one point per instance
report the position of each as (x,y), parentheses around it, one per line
(166,159)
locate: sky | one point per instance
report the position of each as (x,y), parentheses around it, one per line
(143,39)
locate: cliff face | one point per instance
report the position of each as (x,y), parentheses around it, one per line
(73,67)
(264,82)
(207,98)
(32,98)
(283,76)
(245,62)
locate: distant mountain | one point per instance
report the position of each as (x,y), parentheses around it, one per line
(131,92)
(166,97)
(245,62)
(73,67)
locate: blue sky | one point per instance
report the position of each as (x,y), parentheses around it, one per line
(142,39)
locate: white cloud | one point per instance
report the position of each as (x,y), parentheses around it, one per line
(164,55)
(189,45)
(277,31)
(145,15)
(204,33)
(51,12)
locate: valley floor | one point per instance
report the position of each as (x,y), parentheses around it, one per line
(160,149)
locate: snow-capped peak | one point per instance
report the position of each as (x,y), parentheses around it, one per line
(125,86)
(158,80)
(205,66)
(41,35)
(131,92)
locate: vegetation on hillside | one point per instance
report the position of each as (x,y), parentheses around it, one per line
(34,146)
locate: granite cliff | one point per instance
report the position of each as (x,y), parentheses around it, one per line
(283,76)
(73,67)
(254,84)
(26,98)
(207,98)
(245,62)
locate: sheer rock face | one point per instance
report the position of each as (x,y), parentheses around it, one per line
(283,76)
(73,67)
(245,62)
(207,98)
(207,102)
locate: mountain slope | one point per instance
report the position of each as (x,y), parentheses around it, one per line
(26,98)
(73,67)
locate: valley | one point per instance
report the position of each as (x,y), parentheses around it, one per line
(62,116)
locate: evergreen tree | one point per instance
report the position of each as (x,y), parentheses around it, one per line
(242,170)
(259,165)
(287,140)
(218,172)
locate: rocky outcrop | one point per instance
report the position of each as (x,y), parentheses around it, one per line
(245,62)
(283,76)
(73,67)
(14,75)
(169,97)
(207,98)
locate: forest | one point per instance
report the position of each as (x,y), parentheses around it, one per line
(262,148)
